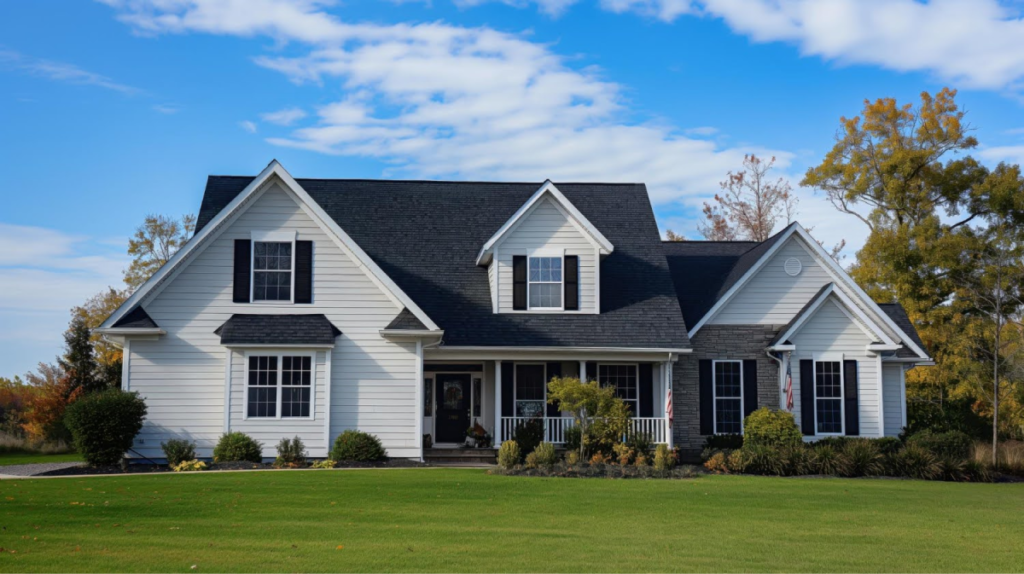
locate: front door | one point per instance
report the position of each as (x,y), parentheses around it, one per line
(452,418)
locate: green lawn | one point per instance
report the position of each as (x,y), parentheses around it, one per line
(9,458)
(465,520)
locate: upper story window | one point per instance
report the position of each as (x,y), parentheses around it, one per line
(545,283)
(272,271)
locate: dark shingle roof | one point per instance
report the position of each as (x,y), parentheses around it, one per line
(700,269)
(406,321)
(898,314)
(137,318)
(426,235)
(243,329)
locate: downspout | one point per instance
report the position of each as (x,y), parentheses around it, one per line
(781,382)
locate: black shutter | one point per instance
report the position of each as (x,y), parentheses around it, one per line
(507,389)
(519,282)
(591,371)
(705,392)
(554,370)
(850,398)
(749,387)
(646,390)
(243,263)
(572,283)
(807,396)
(303,271)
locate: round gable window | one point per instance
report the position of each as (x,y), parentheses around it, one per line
(793,266)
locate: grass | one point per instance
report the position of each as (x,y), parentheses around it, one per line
(465,520)
(29,457)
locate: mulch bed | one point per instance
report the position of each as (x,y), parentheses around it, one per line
(154,468)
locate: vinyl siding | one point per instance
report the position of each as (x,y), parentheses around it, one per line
(181,375)
(545,227)
(830,331)
(892,395)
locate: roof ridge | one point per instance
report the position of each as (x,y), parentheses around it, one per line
(444,181)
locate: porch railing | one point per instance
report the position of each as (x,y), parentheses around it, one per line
(554,428)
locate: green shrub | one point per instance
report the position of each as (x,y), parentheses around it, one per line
(975,471)
(528,434)
(735,462)
(825,460)
(573,436)
(723,442)
(861,458)
(950,469)
(767,427)
(290,453)
(357,446)
(508,454)
(641,444)
(104,424)
(177,451)
(915,461)
(238,446)
(796,460)
(664,458)
(888,445)
(766,460)
(952,444)
(546,455)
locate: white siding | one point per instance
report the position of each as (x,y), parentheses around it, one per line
(830,331)
(546,227)
(892,396)
(181,375)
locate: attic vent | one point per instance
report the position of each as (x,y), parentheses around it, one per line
(793,266)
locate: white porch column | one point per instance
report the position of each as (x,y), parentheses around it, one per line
(583,371)
(497,404)
(419,397)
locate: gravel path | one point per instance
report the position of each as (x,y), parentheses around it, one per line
(36,468)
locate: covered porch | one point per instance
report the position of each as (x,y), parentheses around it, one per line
(498,393)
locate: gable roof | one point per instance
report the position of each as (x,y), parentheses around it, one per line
(699,271)
(426,236)
(406,321)
(137,318)
(291,330)
(846,305)
(212,223)
(899,316)
(547,189)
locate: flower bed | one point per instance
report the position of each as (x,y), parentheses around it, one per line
(564,470)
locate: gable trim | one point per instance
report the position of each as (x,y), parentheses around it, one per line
(259,184)
(831,267)
(848,308)
(563,204)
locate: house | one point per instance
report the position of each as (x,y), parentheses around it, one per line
(415,308)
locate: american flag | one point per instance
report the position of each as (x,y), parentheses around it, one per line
(789,385)
(668,406)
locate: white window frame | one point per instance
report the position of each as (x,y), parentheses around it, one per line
(842,393)
(546,254)
(270,237)
(515,389)
(636,370)
(280,368)
(714,393)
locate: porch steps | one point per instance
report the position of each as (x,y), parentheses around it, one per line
(461,456)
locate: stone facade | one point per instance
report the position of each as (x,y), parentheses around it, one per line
(737,342)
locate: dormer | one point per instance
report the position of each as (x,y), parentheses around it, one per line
(546,258)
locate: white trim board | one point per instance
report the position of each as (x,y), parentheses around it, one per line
(830,266)
(848,308)
(563,204)
(259,184)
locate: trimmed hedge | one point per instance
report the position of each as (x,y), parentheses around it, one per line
(771,428)
(357,446)
(103,425)
(238,446)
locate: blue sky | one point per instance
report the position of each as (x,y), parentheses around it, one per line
(114,109)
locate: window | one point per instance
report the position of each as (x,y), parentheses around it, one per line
(623,379)
(530,391)
(828,397)
(279,386)
(728,397)
(545,283)
(428,397)
(271,271)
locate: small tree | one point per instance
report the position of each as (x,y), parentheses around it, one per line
(153,245)
(750,204)
(78,361)
(596,409)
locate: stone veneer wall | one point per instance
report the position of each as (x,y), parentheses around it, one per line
(720,342)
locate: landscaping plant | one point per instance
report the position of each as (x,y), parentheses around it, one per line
(238,446)
(177,451)
(358,446)
(771,428)
(508,454)
(189,466)
(291,453)
(104,424)
(545,454)
(528,434)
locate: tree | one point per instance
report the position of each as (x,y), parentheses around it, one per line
(750,204)
(896,168)
(596,410)
(94,311)
(54,391)
(673,236)
(153,245)
(78,362)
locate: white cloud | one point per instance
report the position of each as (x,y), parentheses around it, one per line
(976,44)
(45,273)
(247,126)
(1009,154)
(60,72)
(701,131)
(553,8)
(285,117)
(166,109)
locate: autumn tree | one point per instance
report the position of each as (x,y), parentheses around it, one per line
(749,205)
(153,245)
(898,169)
(54,391)
(93,312)
(673,236)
